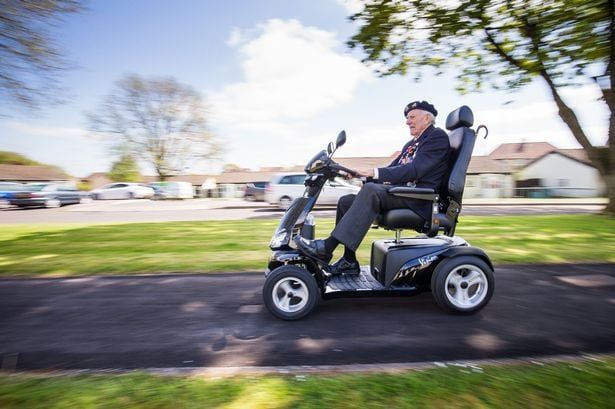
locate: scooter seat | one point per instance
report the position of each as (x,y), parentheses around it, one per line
(400,219)
(406,219)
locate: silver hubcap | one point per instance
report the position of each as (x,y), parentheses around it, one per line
(52,203)
(466,286)
(290,294)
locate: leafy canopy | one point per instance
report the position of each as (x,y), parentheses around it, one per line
(30,59)
(125,169)
(504,42)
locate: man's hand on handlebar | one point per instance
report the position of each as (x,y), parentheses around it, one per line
(366,172)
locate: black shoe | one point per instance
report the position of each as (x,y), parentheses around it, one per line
(314,249)
(343,266)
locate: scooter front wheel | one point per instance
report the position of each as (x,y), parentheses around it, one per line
(462,285)
(290,292)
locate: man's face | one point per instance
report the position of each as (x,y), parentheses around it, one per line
(417,121)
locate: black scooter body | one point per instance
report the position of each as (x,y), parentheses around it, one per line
(401,268)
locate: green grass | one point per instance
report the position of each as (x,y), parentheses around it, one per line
(586,384)
(219,246)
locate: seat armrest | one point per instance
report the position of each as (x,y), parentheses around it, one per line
(433,225)
(420,193)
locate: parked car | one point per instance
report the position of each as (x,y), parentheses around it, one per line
(255,191)
(172,190)
(47,195)
(283,188)
(8,190)
(122,190)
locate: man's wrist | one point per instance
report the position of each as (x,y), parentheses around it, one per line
(375,173)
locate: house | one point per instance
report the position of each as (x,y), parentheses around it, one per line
(517,155)
(27,173)
(542,170)
(232,183)
(563,173)
(97,180)
(488,178)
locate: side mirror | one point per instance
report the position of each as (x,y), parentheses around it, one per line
(331,148)
(341,139)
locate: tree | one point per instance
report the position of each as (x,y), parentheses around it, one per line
(14,158)
(159,121)
(30,61)
(504,44)
(125,169)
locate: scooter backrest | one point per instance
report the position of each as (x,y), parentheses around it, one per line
(462,139)
(462,116)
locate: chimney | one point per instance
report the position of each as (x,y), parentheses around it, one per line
(520,147)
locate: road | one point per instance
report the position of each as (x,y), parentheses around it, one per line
(124,211)
(219,321)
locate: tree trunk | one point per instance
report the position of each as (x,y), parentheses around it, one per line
(600,157)
(609,180)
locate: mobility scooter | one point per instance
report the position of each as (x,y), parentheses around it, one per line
(459,276)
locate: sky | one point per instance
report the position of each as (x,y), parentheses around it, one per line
(278,81)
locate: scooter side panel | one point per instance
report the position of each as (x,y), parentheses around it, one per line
(392,261)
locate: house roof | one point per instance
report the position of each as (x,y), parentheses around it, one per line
(484,164)
(578,154)
(522,150)
(31,173)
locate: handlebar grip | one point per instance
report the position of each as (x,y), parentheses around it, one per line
(337,166)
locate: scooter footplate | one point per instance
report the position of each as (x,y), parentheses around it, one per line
(359,282)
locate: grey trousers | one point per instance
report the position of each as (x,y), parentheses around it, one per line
(356,213)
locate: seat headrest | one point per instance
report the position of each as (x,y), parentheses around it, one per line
(462,116)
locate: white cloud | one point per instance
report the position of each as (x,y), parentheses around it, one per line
(290,73)
(351,6)
(47,131)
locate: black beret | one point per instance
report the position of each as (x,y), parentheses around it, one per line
(422,105)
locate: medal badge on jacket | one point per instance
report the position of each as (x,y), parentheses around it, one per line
(408,155)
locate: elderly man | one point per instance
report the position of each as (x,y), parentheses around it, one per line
(423,162)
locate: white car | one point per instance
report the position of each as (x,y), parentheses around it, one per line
(122,190)
(283,188)
(172,190)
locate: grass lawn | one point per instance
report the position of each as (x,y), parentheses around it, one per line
(586,384)
(218,246)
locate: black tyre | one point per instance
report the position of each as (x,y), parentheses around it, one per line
(290,292)
(462,285)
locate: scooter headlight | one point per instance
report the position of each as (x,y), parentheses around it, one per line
(316,166)
(278,239)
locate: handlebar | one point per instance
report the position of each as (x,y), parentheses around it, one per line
(338,167)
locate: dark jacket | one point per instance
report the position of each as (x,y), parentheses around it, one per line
(426,170)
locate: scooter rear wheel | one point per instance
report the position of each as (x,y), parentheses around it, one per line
(462,285)
(290,292)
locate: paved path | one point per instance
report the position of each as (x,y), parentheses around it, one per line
(219,321)
(125,211)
